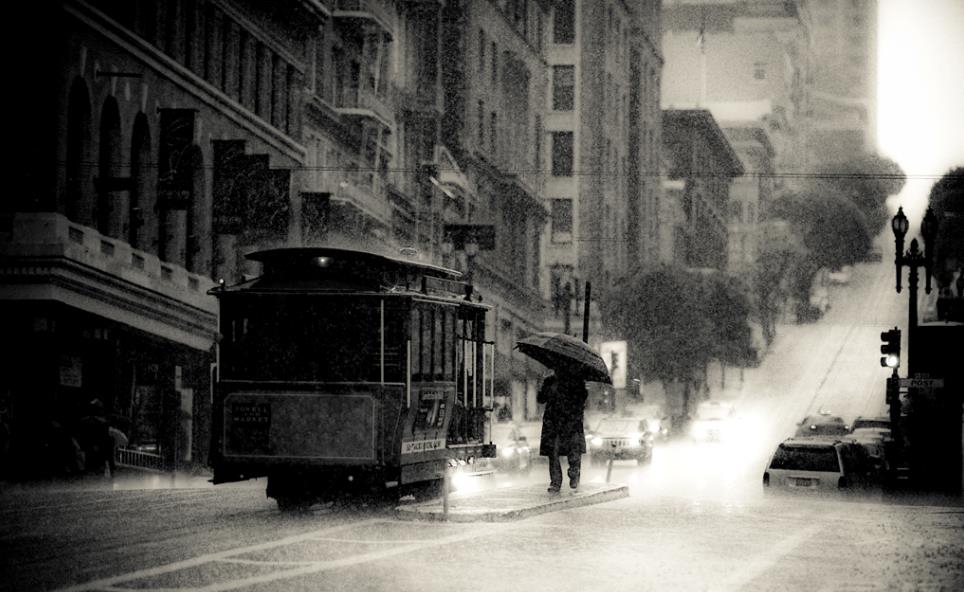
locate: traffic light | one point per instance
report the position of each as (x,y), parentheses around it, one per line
(890,348)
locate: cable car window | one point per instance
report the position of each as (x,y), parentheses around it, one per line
(329,339)
(395,341)
(438,343)
(449,348)
(425,365)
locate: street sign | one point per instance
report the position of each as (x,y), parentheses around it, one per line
(923,383)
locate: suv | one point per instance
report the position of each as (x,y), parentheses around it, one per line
(819,464)
(621,438)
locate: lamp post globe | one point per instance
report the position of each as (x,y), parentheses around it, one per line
(899,225)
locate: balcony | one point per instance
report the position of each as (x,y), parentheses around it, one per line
(45,256)
(377,13)
(363,193)
(361,102)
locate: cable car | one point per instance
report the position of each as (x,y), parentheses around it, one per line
(342,371)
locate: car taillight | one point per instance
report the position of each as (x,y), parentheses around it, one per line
(766,478)
(843,482)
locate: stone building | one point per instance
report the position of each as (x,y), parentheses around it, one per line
(160,144)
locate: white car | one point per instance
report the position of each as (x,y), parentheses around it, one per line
(714,421)
(813,465)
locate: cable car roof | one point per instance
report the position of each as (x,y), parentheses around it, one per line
(346,270)
(291,258)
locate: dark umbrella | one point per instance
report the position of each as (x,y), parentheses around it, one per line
(560,351)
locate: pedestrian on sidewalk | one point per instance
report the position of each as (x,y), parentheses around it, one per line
(564,396)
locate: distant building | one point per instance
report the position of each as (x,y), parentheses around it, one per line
(744,62)
(750,194)
(843,78)
(698,154)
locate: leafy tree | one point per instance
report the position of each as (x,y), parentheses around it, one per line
(947,200)
(834,230)
(867,181)
(677,321)
(776,265)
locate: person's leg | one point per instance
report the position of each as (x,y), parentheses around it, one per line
(575,463)
(555,468)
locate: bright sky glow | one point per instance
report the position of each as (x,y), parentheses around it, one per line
(921,92)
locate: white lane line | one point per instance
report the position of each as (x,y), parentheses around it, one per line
(764,561)
(370,541)
(201,559)
(263,562)
(345,562)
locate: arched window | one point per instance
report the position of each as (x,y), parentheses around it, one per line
(111,201)
(197,247)
(78,186)
(143,199)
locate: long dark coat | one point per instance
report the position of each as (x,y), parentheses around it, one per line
(565,401)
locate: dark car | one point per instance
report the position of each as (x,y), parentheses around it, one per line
(621,438)
(822,425)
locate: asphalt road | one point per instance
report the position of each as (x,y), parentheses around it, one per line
(696,518)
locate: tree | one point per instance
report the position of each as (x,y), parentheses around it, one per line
(867,181)
(834,230)
(776,265)
(677,321)
(947,200)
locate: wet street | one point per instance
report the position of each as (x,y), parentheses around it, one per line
(696,518)
(233,538)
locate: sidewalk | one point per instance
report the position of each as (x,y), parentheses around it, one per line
(510,503)
(125,478)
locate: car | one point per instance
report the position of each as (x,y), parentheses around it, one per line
(714,421)
(514,452)
(840,276)
(621,438)
(822,424)
(874,255)
(861,422)
(660,424)
(813,465)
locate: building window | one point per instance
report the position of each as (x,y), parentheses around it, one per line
(564,25)
(495,63)
(538,144)
(493,133)
(561,154)
(759,70)
(563,82)
(481,50)
(561,231)
(481,120)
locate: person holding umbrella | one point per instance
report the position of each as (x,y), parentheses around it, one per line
(564,395)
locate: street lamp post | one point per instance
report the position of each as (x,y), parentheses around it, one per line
(914,259)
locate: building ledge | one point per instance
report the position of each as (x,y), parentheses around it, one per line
(47,257)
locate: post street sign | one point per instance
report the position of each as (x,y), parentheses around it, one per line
(923,383)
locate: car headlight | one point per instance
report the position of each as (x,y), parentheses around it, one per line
(596,441)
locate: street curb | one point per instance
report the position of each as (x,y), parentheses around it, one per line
(473,508)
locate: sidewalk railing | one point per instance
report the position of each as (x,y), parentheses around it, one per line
(136,459)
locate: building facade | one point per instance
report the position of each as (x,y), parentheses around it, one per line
(698,154)
(743,61)
(843,81)
(151,163)
(750,194)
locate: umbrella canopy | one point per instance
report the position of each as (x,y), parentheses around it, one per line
(560,351)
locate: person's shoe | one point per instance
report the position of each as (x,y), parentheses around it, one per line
(574,483)
(554,488)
